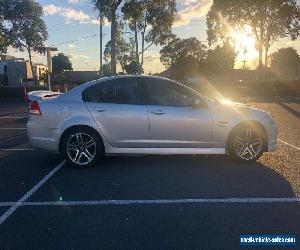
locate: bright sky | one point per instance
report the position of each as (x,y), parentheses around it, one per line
(75,20)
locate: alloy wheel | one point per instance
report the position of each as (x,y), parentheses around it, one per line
(81,148)
(247,144)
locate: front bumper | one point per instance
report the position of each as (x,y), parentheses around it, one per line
(272,137)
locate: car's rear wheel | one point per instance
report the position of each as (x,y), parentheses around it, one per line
(82,147)
(246,144)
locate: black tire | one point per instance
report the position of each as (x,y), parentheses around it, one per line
(231,148)
(96,147)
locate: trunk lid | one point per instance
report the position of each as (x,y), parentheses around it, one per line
(42,95)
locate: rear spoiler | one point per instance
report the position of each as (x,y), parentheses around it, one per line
(42,95)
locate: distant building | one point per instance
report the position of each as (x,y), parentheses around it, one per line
(16,72)
(41,72)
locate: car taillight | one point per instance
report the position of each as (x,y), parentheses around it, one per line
(34,108)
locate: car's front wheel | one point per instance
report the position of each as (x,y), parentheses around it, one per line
(82,147)
(246,144)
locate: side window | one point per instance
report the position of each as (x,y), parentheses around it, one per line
(167,93)
(121,91)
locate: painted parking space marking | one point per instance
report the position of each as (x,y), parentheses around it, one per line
(26,196)
(13,117)
(17,149)
(150,202)
(13,128)
(288,144)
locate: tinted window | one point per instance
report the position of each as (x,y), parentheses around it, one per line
(167,93)
(122,91)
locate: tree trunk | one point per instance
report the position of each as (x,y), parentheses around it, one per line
(260,47)
(113,41)
(260,55)
(137,59)
(31,65)
(143,48)
(266,57)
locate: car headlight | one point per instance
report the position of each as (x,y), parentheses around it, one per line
(269,118)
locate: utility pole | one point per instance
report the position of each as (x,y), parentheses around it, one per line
(101,36)
(49,62)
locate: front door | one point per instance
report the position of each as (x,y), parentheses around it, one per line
(177,118)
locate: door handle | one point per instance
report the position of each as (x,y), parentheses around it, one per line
(158,112)
(101,110)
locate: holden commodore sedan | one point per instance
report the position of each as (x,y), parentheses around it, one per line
(145,115)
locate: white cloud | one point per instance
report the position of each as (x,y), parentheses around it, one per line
(79,56)
(76,1)
(186,2)
(50,9)
(96,21)
(68,13)
(72,46)
(194,9)
(71,14)
(75,15)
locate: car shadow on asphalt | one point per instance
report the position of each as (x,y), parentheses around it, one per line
(291,110)
(167,177)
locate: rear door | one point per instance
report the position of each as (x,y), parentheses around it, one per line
(175,119)
(117,107)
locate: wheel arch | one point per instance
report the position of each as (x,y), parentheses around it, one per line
(76,127)
(252,123)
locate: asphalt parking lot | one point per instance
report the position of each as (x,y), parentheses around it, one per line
(182,202)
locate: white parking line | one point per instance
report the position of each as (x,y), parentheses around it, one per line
(13,117)
(25,197)
(17,149)
(13,128)
(288,144)
(150,202)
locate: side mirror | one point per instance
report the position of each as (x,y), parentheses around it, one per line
(199,104)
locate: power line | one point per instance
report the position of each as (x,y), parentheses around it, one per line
(77,40)
(65,26)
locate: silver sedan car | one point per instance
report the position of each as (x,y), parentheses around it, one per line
(145,115)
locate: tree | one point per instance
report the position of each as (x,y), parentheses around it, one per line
(123,47)
(285,63)
(220,60)
(7,15)
(61,63)
(184,57)
(133,13)
(29,31)
(3,39)
(109,9)
(157,15)
(107,69)
(122,52)
(270,20)
(133,68)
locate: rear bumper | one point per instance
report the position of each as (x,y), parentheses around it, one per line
(37,139)
(43,143)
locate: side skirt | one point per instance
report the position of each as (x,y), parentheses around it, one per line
(165,151)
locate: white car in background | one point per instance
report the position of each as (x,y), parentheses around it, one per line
(145,115)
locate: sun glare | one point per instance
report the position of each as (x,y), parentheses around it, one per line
(245,46)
